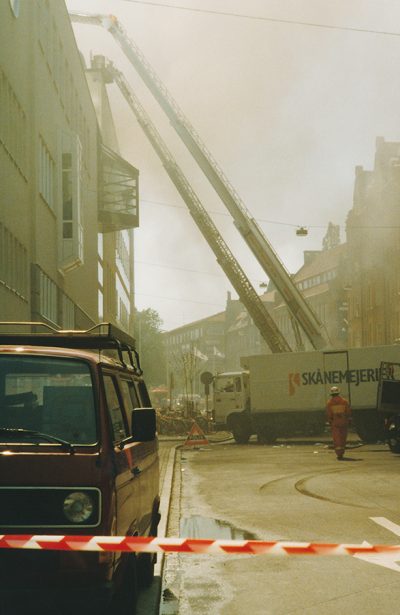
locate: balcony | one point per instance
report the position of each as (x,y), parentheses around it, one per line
(118,193)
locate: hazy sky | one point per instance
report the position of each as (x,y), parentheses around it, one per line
(287,110)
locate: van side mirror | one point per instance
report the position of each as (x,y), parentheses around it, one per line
(143,424)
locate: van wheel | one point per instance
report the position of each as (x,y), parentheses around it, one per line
(146,563)
(125,599)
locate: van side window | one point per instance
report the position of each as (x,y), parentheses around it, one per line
(131,400)
(114,409)
(144,395)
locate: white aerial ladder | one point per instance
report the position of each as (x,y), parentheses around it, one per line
(301,313)
(247,295)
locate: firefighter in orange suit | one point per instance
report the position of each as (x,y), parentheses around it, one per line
(339,417)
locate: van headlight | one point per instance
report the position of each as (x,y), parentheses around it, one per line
(78,507)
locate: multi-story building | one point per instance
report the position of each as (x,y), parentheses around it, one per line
(242,337)
(373,238)
(55,176)
(323,282)
(192,349)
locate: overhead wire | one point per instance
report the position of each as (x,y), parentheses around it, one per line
(291,224)
(178,299)
(293,22)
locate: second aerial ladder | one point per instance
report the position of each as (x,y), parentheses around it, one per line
(247,295)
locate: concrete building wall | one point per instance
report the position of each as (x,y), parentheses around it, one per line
(44,95)
(16,173)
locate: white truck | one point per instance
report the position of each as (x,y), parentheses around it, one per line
(283,394)
(389,402)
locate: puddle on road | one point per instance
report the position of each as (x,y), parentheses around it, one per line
(197,526)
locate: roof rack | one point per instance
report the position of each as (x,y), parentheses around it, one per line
(104,336)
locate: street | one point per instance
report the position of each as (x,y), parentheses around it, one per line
(293,491)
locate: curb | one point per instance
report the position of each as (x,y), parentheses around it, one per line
(165,505)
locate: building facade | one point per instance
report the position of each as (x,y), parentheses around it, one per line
(193,349)
(54,173)
(323,282)
(373,238)
(242,337)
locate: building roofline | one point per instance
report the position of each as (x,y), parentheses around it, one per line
(190,325)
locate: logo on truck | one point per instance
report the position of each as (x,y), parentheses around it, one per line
(294,381)
(349,376)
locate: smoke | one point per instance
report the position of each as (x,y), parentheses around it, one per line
(288,112)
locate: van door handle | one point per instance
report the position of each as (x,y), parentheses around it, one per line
(136,471)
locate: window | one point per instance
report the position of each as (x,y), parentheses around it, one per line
(114,410)
(68,313)
(46,174)
(131,399)
(123,255)
(238,384)
(71,232)
(48,297)
(123,313)
(13,263)
(13,128)
(15,7)
(54,396)
(224,384)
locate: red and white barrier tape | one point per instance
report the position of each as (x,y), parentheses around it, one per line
(186,545)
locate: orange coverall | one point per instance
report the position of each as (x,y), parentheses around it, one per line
(339,417)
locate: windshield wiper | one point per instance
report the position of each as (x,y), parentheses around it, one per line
(28,433)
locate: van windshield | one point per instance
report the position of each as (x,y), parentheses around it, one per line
(49,395)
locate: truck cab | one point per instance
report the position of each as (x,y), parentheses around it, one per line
(79,455)
(231,396)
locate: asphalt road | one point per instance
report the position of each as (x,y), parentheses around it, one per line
(294,491)
(149,599)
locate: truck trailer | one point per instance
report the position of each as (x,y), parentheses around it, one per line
(285,394)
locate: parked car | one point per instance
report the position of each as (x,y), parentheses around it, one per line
(79,455)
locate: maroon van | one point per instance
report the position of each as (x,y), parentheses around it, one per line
(78,455)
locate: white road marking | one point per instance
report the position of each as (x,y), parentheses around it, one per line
(389,525)
(387,560)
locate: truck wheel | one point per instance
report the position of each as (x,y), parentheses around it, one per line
(366,435)
(266,436)
(393,438)
(369,428)
(240,432)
